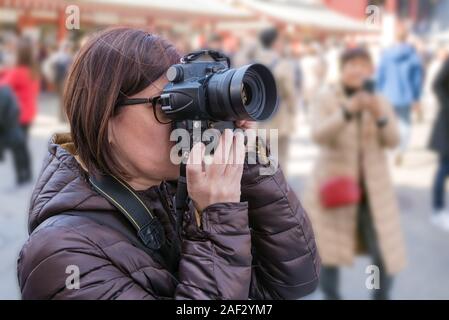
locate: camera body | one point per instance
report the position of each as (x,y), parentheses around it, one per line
(210,90)
(185,97)
(208,93)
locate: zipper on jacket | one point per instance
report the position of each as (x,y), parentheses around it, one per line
(168,204)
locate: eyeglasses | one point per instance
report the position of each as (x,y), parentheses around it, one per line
(155,102)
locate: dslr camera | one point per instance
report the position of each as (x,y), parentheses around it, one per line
(203,88)
(204,92)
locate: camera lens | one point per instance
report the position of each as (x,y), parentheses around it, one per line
(246,93)
(252,82)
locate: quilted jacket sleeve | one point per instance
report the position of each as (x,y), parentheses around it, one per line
(216,259)
(285,258)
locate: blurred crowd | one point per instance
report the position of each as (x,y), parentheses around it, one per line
(358,98)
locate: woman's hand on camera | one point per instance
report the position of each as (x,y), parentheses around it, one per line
(216,178)
(246,124)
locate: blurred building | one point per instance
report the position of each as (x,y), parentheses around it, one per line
(46,19)
(307,17)
(425,15)
(416,10)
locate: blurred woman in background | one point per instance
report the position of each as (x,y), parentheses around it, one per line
(440,144)
(350,197)
(24,82)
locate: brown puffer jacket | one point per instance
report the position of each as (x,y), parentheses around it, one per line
(260,248)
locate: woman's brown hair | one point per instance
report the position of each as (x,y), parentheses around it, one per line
(113,64)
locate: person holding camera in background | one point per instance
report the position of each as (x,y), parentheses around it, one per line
(242,236)
(350,197)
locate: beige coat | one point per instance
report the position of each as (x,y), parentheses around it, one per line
(341,144)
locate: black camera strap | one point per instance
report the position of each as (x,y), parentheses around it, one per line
(121,196)
(182,195)
(216,55)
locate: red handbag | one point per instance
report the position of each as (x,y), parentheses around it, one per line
(340,191)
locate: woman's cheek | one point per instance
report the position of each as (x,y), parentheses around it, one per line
(164,149)
(173,166)
(167,144)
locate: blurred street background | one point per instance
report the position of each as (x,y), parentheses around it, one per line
(311,36)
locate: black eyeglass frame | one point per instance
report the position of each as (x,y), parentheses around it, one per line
(152,100)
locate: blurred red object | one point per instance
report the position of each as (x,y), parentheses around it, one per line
(25,87)
(340,191)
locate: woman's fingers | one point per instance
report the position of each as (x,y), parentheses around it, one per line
(229,156)
(235,167)
(230,141)
(246,124)
(220,181)
(225,146)
(238,148)
(241,149)
(194,168)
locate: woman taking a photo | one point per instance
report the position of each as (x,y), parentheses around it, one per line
(243,236)
(351,200)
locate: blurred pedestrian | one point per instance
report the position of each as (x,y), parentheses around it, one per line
(441,53)
(11,134)
(214,42)
(23,79)
(8,49)
(350,196)
(400,79)
(331,71)
(440,144)
(42,55)
(56,68)
(314,67)
(284,72)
